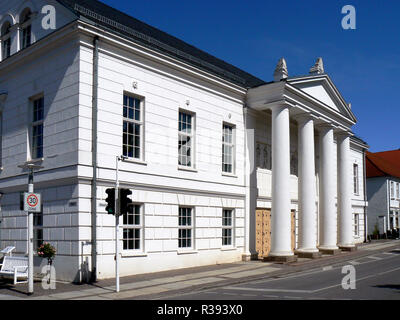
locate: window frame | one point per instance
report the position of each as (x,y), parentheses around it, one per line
(140,123)
(356,224)
(228,227)
(25,25)
(232,145)
(140,227)
(192,136)
(190,227)
(5,38)
(356,181)
(37,229)
(392,191)
(34,124)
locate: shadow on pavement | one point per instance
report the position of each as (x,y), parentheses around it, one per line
(389,286)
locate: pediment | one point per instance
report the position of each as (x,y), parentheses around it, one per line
(322,89)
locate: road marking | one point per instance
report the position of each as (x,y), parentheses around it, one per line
(375,258)
(268,290)
(388,271)
(327,268)
(354,263)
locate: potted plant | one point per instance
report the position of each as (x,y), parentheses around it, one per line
(46,250)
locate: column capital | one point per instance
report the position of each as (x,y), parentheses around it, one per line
(343,133)
(278,105)
(304,116)
(325,126)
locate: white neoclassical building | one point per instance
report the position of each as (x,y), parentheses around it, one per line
(223,165)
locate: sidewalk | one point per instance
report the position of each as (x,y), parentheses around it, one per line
(157,285)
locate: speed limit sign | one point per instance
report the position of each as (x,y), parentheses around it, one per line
(32,202)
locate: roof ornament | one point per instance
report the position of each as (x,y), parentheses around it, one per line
(281,71)
(318,68)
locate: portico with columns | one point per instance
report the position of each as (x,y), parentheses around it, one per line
(308,126)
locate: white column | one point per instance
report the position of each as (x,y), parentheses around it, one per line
(307,187)
(345,215)
(281,245)
(327,207)
(251,186)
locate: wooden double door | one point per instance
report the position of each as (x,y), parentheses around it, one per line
(263,232)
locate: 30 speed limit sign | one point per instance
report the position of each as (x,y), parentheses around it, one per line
(32,202)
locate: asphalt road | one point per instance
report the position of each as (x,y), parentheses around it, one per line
(377,277)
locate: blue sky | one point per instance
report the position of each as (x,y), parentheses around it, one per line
(252,35)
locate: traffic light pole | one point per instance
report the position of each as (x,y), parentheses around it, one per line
(117,211)
(30,237)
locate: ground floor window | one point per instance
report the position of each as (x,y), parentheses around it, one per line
(356,224)
(133,228)
(227,227)
(185,231)
(37,230)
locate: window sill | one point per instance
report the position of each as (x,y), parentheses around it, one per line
(231,175)
(228,249)
(189,251)
(182,168)
(130,254)
(136,161)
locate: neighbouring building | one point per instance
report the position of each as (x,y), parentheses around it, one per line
(223,166)
(383,185)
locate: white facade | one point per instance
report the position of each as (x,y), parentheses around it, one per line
(58,67)
(384,208)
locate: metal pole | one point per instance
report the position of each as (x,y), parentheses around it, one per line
(30,238)
(116,229)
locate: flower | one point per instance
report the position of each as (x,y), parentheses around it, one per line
(46,250)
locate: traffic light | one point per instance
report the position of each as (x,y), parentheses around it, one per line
(124,200)
(110,208)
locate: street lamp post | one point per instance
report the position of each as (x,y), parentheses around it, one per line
(31,167)
(117,214)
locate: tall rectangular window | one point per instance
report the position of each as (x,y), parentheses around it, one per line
(132,143)
(228,148)
(355,178)
(26,36)
(133,228)
(185,139)
(6,48)
(227,227)
(398,190)
(185,231)
(6,39)
(391,189)
(356,224)
(37,128)
(37,230)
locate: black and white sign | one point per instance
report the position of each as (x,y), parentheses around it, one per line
(32,202)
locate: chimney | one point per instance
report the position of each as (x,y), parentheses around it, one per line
(281,71)
(318,68)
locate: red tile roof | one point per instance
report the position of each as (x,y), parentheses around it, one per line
(380,164)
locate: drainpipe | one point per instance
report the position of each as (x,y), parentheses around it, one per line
(94,157)
(365,197)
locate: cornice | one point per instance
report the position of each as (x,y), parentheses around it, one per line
(131,46)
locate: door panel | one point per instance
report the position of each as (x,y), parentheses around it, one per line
(263,233)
